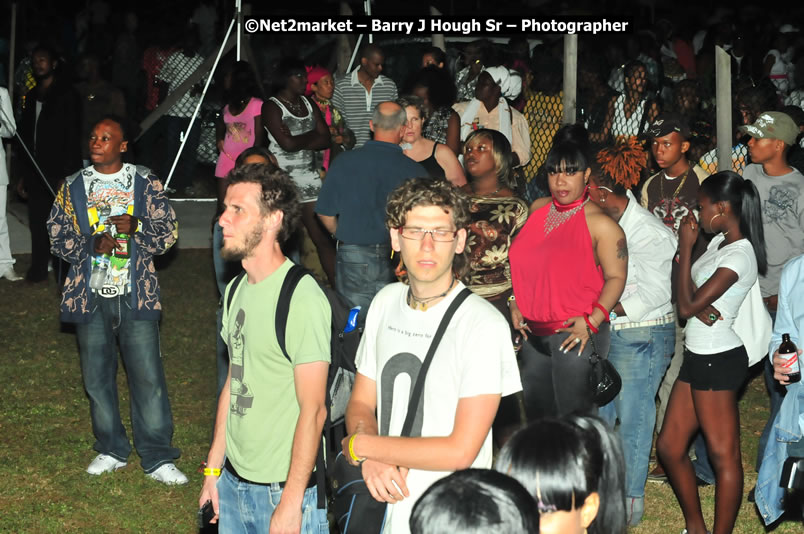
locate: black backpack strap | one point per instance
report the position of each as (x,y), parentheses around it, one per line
(292,278)
(418,388)
(232,290)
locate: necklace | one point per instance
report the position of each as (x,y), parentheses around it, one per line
(678,189)
(557,216)
(422,303)
(491,194)
(293,107)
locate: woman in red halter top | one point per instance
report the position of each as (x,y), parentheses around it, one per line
(568,268)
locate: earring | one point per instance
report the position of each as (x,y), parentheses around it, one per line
(715,216)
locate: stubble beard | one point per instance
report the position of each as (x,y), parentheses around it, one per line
(253,239)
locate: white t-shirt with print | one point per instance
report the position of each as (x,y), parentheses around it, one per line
(110,195)
(738,257)
(475,357)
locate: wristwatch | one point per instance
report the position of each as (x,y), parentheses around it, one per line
(612,315)
(139,225)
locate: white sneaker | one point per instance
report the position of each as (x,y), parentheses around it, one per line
(169,474)
(11,275)
(103,463)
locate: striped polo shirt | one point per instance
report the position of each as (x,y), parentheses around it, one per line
(357,105)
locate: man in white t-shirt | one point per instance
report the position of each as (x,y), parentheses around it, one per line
(781,194)
(473,367)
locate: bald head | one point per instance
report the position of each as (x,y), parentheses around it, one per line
(388,122)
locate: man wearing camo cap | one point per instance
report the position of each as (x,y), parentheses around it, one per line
(781,193)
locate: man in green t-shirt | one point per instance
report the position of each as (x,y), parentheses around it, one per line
(271,411)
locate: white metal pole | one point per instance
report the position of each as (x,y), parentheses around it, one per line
(367,8)
(723,108)
(239,18)
(186,134)
(570,77)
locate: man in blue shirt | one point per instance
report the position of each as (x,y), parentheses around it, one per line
(351,205)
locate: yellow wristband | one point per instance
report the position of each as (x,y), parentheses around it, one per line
(352,450)
(212,472)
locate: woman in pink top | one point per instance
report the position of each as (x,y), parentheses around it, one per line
(240,124)
(568,268)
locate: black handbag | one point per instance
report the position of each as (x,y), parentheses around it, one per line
(604,380)
(356,511)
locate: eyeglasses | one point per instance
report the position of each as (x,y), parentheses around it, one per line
(417,234)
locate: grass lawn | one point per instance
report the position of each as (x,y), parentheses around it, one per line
(47,440)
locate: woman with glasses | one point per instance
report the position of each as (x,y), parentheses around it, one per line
(568,268)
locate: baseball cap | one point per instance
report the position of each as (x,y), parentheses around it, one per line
(773,125)
(667,123)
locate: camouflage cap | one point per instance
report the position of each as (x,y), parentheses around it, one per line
(773,125)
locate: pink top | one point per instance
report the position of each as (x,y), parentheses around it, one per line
(239,135)
(555,276)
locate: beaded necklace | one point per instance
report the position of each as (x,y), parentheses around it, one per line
(559,214)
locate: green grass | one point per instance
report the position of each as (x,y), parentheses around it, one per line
(47,441)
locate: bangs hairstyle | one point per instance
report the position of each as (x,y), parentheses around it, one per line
(563,461)
(501,149)
(570,151)
(742,195)
(278,193)
(428,192)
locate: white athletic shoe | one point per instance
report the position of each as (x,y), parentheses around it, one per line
(103,463)
(169,474)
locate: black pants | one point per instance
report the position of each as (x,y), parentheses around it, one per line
(554,383)
(39,204)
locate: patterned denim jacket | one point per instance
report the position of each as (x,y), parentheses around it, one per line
(786,431)
(71,239)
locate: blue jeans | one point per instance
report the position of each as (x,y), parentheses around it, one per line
(361,271)
(151,419)
(777,393)
(248,507)
(641,356)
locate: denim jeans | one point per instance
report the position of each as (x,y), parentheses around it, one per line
(151,419)
(248,508)
(361,271)
(641,356)
(777,393)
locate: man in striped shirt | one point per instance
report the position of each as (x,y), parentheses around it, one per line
(357,94)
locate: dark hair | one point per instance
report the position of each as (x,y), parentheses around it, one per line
(428,192)
(570,151)
(563,461)
(287,67)
(438,55)
(474,501)
(48,49)
(501,149)
(253,151)
(631,67)
(742,195)
(440,86)
(243,84)
(369,50)
(278,193)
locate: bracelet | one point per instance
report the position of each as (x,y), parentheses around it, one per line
(602,308)
(352,450)
(510,299)
(212,472)
(589,323)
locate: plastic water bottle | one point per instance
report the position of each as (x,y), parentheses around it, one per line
(100,264)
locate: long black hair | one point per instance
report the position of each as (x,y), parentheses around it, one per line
(742,195)
(563,461)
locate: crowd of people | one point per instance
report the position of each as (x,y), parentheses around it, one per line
(490,250)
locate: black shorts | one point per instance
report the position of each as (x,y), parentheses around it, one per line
(722,371)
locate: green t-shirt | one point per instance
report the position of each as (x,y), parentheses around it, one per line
(263,409)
